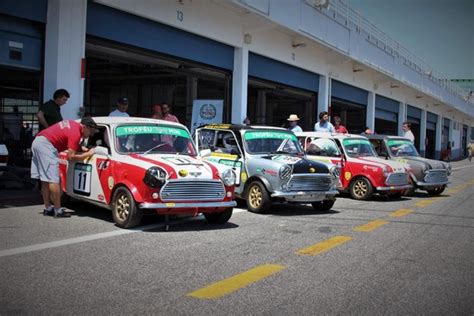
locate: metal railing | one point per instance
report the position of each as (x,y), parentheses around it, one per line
(384,41)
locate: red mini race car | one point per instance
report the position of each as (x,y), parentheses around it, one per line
(146,164)
(362,172)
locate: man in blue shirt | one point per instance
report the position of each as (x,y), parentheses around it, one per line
(293,120)
(324,125)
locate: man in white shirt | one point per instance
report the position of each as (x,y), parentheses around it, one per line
(122,106)
(406,126)
(324,125)
(293,120)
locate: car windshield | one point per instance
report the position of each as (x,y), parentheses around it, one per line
(153,138)
(271,142)
(402,147)
(322,147)
(358,147)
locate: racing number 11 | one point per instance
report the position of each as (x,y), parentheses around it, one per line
(82,179)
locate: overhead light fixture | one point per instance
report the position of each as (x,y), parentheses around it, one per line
(394,85)
(319,4)
(436,104)
(419,96)
(357,69)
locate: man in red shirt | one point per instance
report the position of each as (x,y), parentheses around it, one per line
(338,126)
(167,116)
(64,135)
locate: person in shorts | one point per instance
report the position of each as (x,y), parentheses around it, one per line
(64,135)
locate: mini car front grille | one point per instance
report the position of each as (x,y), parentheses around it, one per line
(436,175)
(195,190)
(397,178)
(310,182)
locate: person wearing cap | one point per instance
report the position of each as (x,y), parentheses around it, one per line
(122,106)
(64,135)
(293,121)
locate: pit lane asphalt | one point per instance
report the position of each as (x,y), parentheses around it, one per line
(419,263)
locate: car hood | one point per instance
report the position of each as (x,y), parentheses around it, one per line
(420,161)
(299,164)
(193,167)
(395,165)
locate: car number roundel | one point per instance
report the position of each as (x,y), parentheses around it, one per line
(82,179)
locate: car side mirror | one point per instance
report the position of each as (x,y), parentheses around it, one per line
(100,150)
(205,152)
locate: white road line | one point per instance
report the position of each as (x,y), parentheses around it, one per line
(76,240)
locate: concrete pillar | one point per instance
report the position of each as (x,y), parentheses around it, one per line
(64,51)
(240,85)
(423,133)
(439,136)
(402,116)
(324,95)
(371,111)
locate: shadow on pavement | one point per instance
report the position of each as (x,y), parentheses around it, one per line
(295,210)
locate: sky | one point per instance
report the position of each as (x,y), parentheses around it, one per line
(440,32)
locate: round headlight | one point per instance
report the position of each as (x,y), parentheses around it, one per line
(285,172)
(228,177)
(386,171)
(155,177)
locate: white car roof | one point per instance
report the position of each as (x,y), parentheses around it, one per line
(329,135)
(114,120)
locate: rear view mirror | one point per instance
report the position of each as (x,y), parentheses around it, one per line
(99,150)
(205,152)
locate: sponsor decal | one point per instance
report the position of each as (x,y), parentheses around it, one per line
(218,126)
(183,172)
(100,197)
(312,170)
(170,204)
(207,111)
(267,171)
(195,174)
(151,129)
(269,134)
(243,176)
(286,159)
(374,169)
(347,175)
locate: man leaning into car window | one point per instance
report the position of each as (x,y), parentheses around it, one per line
(64,135)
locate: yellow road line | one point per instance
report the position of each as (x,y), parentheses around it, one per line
(323,246)
(401,212)
(236,282)
(370,226)
(424,203)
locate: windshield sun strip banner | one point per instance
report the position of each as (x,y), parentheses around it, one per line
(397,142)
(150,129)
(355,141)
(269,135)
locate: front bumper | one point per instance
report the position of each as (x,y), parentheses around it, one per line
(394,187)
(305,196)
(189,205)
(431,184)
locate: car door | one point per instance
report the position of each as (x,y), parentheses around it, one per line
(223,151)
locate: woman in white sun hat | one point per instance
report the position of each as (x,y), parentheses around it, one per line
(293,120)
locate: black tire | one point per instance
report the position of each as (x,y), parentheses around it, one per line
(323,206)
(436,191)
(125,212)
(220,217)
(361,189)
(257,198)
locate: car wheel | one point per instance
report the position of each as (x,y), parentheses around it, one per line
(220,217)
(323,206)
(125,212)
(436,191)
(258,200)
(361,189)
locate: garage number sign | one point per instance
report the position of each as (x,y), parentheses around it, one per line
(269,135)
(151,129)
